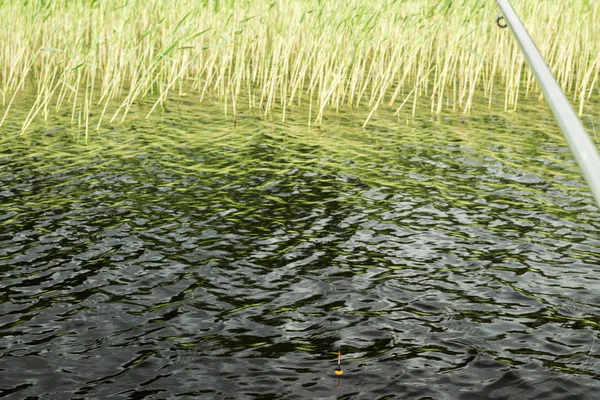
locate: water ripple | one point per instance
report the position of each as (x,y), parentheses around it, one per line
(208,264)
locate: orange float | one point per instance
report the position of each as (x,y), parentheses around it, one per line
(338,370)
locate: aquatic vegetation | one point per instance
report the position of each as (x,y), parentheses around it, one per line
(96,59)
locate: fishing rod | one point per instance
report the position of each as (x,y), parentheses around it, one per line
(580,143)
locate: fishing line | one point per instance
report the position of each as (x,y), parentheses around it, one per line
(598,330)
(588,356)
(592,122)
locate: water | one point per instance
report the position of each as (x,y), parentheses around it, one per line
(185,258)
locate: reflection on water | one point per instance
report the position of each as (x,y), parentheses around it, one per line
(448,259)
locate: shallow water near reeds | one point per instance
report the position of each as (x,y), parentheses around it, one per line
(183,257)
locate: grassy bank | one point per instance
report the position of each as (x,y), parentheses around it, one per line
(97,58)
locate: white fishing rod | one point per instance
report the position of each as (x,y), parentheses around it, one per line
(580,143)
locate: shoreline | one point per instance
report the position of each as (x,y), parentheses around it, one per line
(92,58)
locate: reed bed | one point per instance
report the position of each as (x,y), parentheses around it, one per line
(97,58)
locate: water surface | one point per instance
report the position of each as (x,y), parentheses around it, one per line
(183,257)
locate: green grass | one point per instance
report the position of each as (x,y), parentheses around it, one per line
(96,58)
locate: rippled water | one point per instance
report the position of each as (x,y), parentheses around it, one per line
(446,259)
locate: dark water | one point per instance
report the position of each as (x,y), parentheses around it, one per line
(451,259)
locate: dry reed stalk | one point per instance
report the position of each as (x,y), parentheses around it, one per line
(96,54)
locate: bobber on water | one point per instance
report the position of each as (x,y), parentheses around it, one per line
(338,370)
